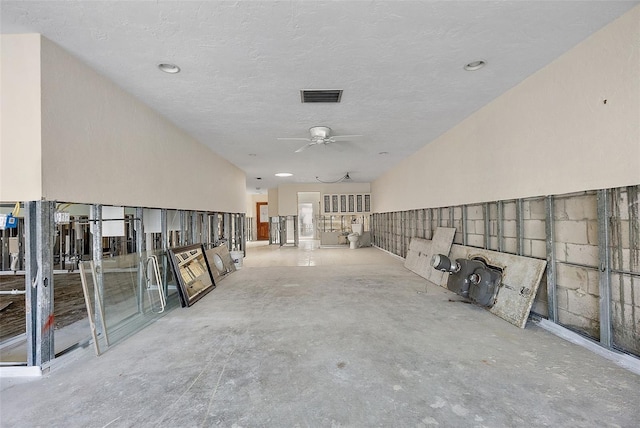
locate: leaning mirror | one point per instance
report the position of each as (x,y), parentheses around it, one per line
(193,272)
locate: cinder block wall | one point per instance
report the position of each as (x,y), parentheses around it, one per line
(564,230)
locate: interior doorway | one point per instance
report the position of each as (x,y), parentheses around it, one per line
(308,211)
(262,221)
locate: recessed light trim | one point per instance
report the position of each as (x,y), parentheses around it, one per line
(283,174)
(383,153)
(169,68)
(475,65)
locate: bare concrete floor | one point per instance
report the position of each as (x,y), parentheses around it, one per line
(356,340)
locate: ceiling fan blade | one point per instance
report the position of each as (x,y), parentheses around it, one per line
(346,136)
(303,147)
(295,139)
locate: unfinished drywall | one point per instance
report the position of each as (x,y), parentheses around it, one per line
(551,134)
(520,281)
(101,145)
(20,174)
(421,251)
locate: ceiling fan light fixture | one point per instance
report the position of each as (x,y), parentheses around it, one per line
(339,180)
(169,68)
(475,65)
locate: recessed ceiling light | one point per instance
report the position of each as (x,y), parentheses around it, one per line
(252,154)
(475,65)
(169,68)
(284,174)
(258,178)
(383,153)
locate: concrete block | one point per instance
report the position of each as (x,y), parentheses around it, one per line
(561,251)
(493,210)
(510,228)
(572,277)
(534,209)
(592,232)
(474,212)
(471,226)
(583,304)
(626,333)
(583,254)
(625,290)
(542,290)
(509,210)
(586,325)
(475,240)
(562,298)
(493,227)
(624,233)
(540,308)
(538,249)
(622,202)
(534,229)
(582,207)
(559,212)
(520,281)
(593,282)
(510,245)
(574,232)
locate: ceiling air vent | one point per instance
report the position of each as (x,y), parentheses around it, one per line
(321,95)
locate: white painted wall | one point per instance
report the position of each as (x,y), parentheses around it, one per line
(272,200)
(252,200)
(101,145)
(551,134)
(20,173)
(288,193)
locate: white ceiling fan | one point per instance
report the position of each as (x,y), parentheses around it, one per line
(319,135)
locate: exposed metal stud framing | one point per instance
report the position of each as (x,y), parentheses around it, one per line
(183,227)
(388,233)
(499,226)
(40,232)
(226,228)
(604,215)
(464,225)
(195,217)
(214,220)
(206,235)
(243,233)
(451,223)
(487,225)
(520,227)
(140,248)
(283,230)
(164,232)
(295,231)
(98,278)
(551,261)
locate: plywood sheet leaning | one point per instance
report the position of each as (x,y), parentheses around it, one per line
(422,250)
(521,278)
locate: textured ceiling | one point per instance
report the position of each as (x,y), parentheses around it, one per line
(243,63)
